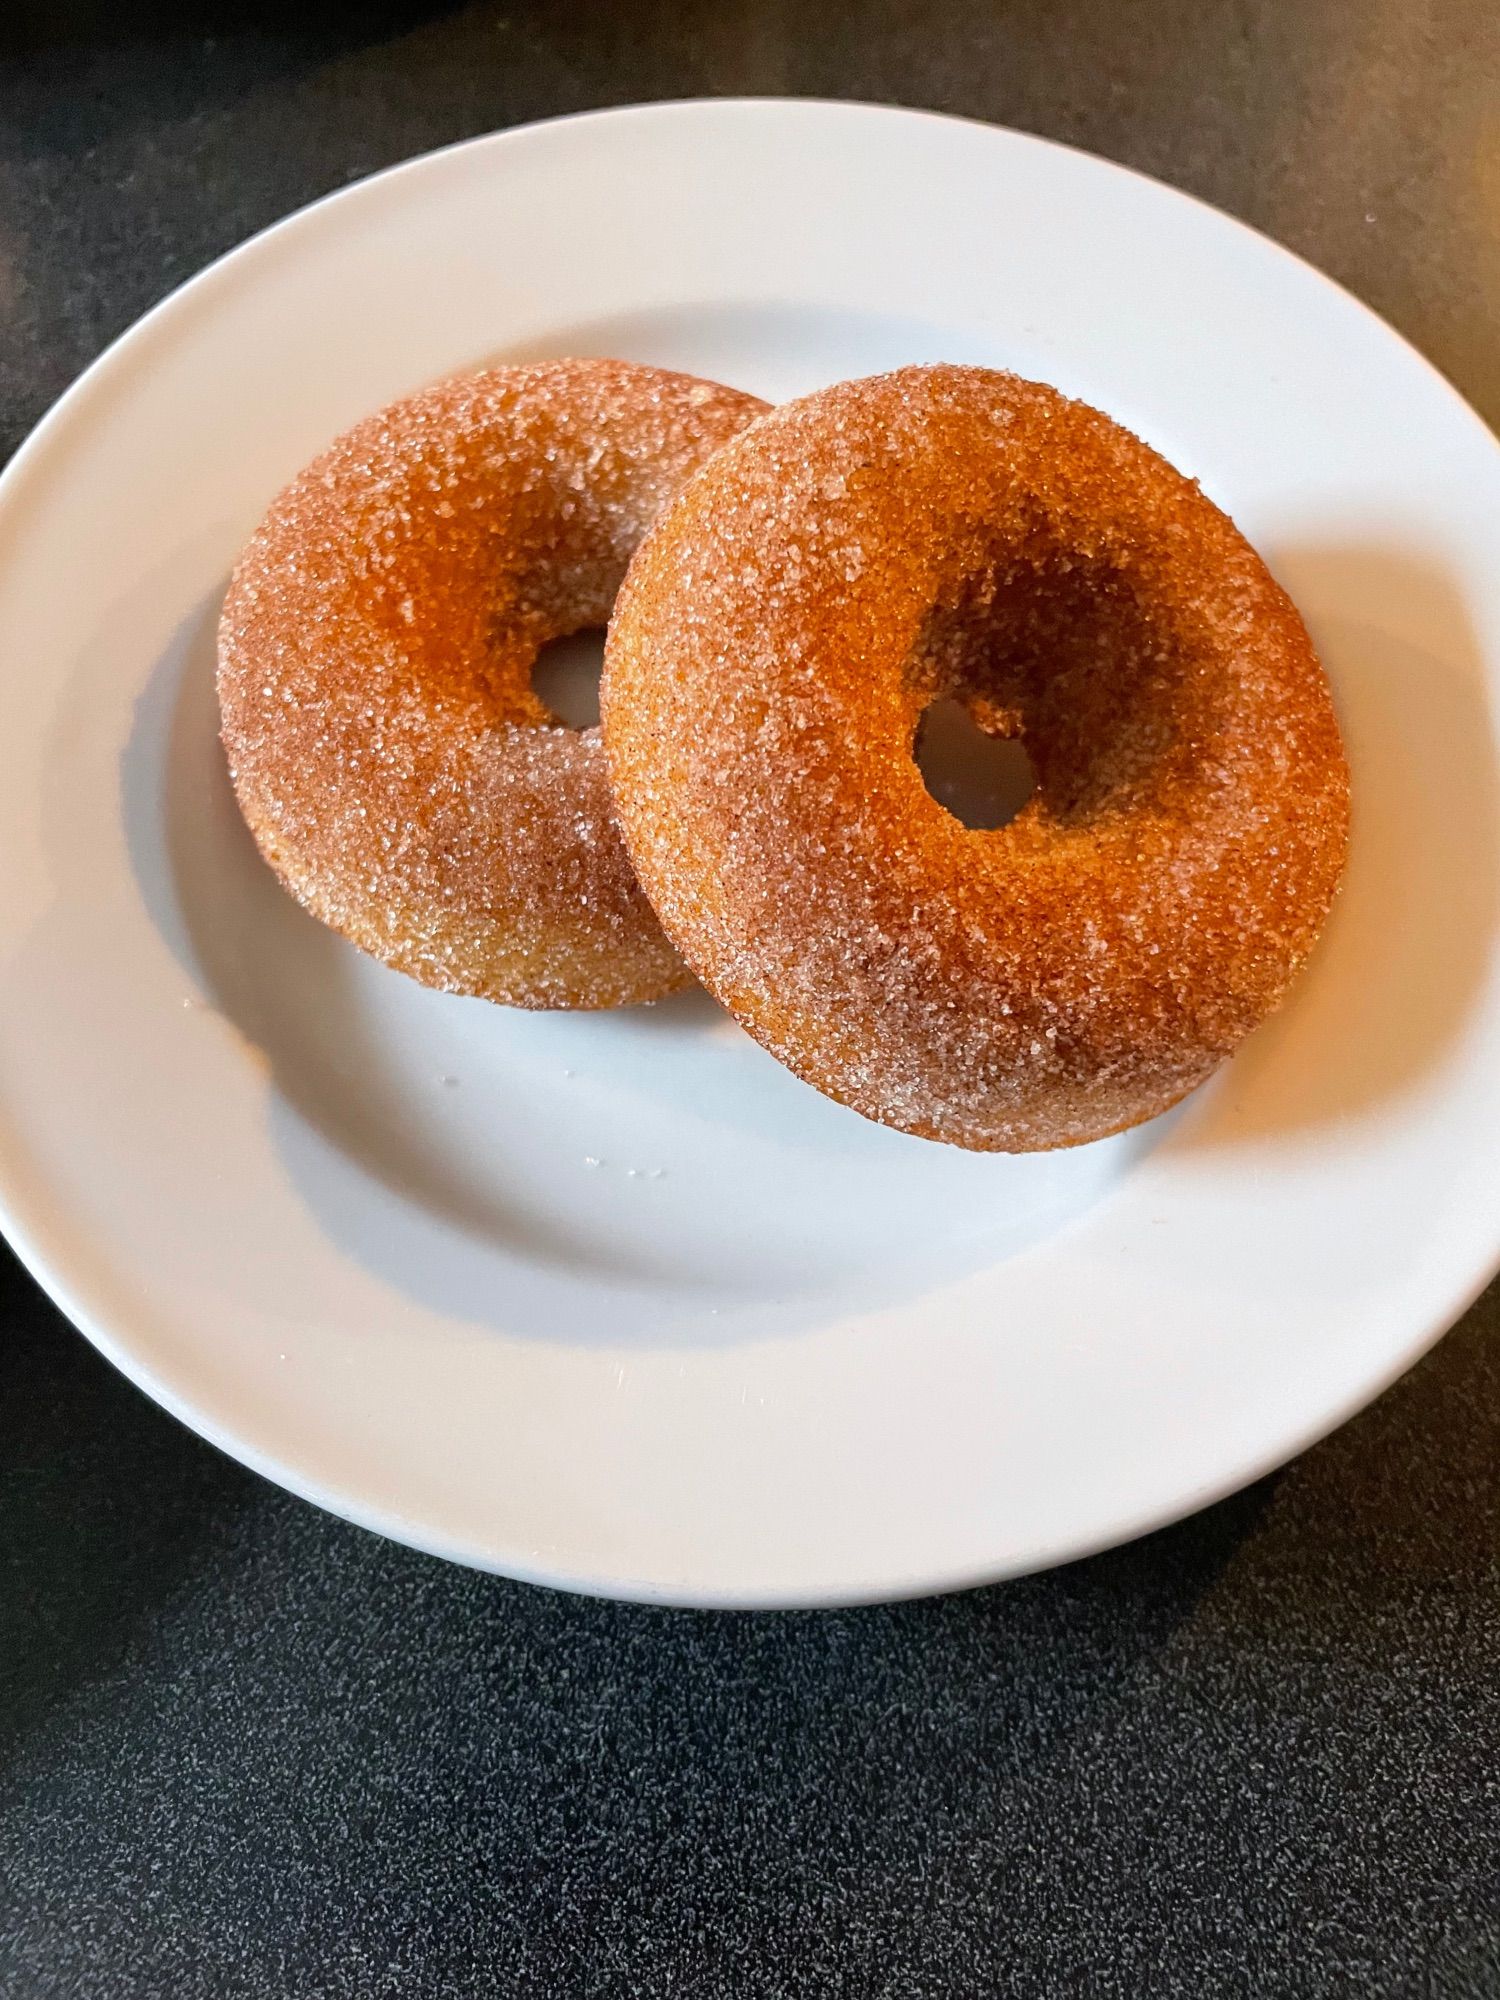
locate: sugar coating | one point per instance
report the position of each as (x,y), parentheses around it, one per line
(375,658)
(959,532)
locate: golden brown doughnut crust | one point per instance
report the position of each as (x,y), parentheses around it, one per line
(955,531)
(375,658)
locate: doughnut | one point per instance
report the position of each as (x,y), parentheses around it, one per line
(375,656)
(961,533)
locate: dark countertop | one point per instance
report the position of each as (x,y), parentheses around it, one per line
(247,1750)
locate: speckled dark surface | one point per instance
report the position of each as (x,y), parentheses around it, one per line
(245,1750)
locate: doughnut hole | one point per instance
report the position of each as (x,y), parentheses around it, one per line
(565,678)
(1045,681)
(982,779)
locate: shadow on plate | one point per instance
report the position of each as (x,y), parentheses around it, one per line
(1386,996)
(1412,934)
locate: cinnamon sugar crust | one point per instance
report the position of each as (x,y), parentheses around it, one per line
(375,657)
(947,531)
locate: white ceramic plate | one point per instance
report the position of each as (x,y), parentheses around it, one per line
(761,1352)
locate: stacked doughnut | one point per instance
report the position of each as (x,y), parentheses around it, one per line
(787,593)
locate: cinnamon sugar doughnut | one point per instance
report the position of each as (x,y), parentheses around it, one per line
(375,660)
(953,531)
